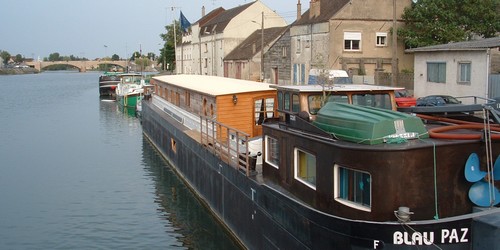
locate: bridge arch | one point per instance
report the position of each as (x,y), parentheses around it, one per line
(77,66)
(82,66)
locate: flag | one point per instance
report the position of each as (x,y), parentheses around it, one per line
(185,24)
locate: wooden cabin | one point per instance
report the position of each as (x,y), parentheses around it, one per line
(238,104)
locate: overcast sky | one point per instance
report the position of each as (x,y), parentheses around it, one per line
(37,28)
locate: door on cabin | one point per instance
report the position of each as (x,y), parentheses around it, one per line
(264,108)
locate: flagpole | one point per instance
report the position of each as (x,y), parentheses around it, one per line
(175,46)
(182,54)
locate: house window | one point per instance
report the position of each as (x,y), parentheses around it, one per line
(381,39)
(298,46)
(464,71)
(305,168)
(206,47)
(436,72)
(284,51)
(352,41)
(308,43)
(272,152)
(299,73)
(353,188)
(206,62)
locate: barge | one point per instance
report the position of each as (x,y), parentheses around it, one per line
(335,167)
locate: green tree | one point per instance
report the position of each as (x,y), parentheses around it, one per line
(151,56)
(142,62)
(115,57)
(19,58)
(167,53)
(431,22)
(55,57)
(135,55)
(5,56)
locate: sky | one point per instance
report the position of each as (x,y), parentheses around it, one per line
(99,28)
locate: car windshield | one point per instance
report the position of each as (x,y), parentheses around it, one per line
(451,100)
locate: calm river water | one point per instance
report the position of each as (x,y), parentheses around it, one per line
(76,173)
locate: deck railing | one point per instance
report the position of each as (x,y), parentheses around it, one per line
(229,144)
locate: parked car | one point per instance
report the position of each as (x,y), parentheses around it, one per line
(403,99)
(437,100)
(497,103)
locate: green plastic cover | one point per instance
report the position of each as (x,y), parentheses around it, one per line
(368,125)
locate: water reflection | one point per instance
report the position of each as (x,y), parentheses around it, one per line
(192,222)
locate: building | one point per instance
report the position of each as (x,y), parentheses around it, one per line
(212,38)
(277,60)
(353,35)
(245,61)
(470,68)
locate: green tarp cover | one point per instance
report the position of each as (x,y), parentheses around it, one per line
(367,125)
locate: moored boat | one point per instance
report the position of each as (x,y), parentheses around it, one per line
(108,82)
(282,170)
(130,89)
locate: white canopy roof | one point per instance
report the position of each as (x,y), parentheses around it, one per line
(213,85)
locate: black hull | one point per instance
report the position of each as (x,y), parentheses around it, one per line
(262,217)
(107,91)
(107,88)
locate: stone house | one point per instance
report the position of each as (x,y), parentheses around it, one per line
(470,68)
(214,37)
(353,35)
(244,62)
(277,60)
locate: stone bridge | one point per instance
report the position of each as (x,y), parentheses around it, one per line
(83,66)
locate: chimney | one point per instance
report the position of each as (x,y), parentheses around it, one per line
(314,10)
(299,10)
(203,11)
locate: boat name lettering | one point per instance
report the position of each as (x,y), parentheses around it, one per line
(448,236)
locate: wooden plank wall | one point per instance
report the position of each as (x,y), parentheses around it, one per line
(241,115)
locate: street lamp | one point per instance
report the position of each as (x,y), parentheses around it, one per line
(261,47)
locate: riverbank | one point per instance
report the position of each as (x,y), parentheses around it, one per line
(17,71)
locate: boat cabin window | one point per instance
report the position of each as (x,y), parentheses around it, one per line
(286,103)
(272,155)
(280,100)
(295,103)
(305,167)
(382,100)
(314,101)
(264,108)
(353,188)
